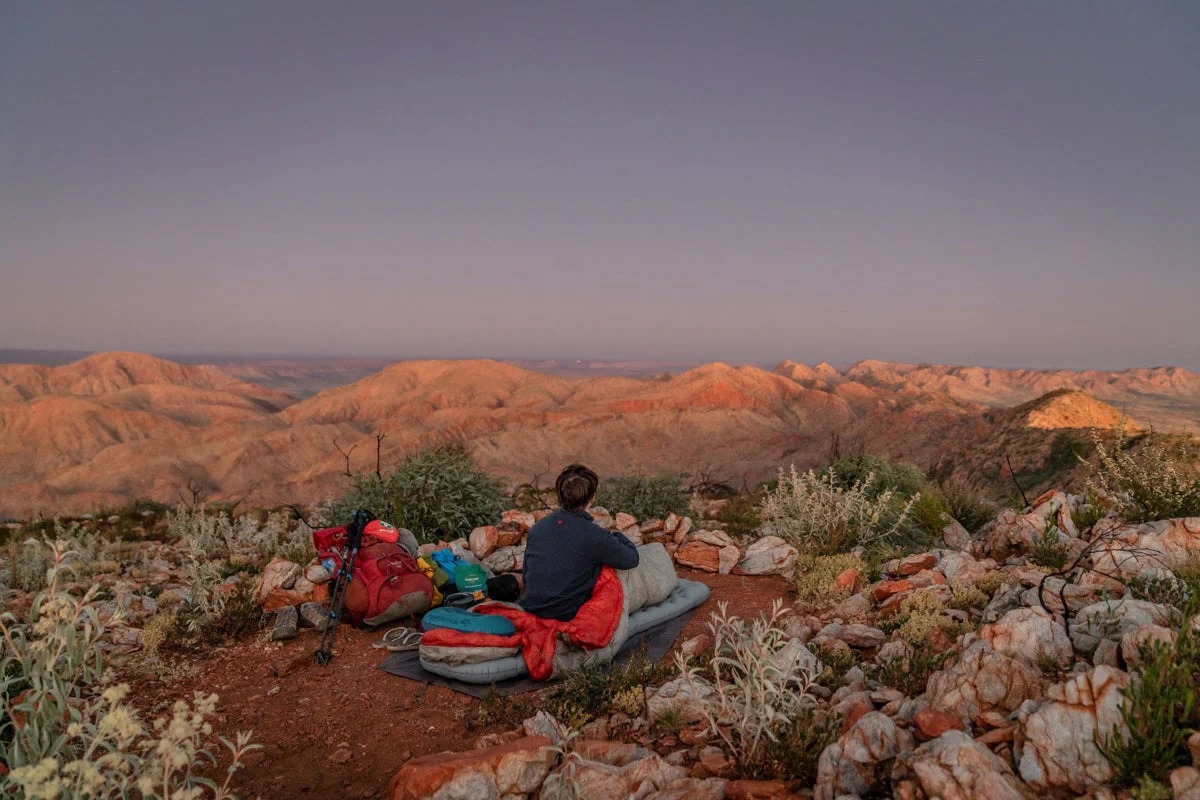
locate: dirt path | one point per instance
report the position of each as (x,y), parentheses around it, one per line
(304,715)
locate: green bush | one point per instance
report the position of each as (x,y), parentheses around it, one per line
(600,689)
(739,516)
(437,494)
(895,476)
(1159,711)
(971,507)
(1156,480)
(644,497)
(1049,549)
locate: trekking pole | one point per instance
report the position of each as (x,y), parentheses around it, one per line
(354,533)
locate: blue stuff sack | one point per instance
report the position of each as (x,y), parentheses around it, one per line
(459,619)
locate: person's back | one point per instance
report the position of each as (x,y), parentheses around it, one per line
(566,550)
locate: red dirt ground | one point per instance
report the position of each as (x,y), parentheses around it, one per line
(302,713)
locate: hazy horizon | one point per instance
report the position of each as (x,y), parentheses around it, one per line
(1010,185)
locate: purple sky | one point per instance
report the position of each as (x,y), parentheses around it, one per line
(1003,183)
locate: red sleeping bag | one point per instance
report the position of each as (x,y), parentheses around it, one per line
(592,628)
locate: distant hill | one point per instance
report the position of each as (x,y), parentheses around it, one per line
(117,426)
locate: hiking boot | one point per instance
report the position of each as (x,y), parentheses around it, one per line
(313,615)
(287,624)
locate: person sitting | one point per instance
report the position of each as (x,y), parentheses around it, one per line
(566,550)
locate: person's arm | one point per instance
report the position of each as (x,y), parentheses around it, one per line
(614,549)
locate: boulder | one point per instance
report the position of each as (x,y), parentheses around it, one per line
(1112,619)
(1029,634)
(956,767)
(854,606)
(680,696)
(279,574)
(506,559)
(483,540)
(1058,740)
(861,637)
(770,555)
(955,536)
(961,568)
(1149,548)
(699,555)
(517,519)
(1009,534)
(1132,642)
(624,521)
(983,680)
(515,768)
(860,761)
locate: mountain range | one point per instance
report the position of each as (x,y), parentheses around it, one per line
(114,427)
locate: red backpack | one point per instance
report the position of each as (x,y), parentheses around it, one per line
(386,583)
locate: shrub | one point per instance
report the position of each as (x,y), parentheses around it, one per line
(793,756)
(895,476)
(600,689)
(815,514)
(214,535)
(437,494)
(1049,549)
(815,576)
(1155,481)
(739,516)
(644,498)
(753,688)
(1159,711)
(910,673)
(64,733)
(968,505)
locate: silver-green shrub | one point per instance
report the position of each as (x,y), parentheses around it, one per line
(754,686)
(816,514)
(65,733)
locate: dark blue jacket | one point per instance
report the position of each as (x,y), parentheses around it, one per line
(563,557)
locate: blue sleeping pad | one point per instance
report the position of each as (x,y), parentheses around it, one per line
(460,619)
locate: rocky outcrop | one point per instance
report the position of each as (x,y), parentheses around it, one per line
(983,680)
(861,759)
(956,767)
(1058,738)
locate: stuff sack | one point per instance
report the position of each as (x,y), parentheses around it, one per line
(386,583)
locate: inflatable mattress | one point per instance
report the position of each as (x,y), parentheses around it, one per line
(683,598)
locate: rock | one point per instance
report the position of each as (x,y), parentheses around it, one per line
(678,695)
(279,574)
(652,526)
(1185,783)
(515,768)
(1112,619)
(601,517)
(932,724)
(544,725)
(681,532)
(884,589)
(691,789)
(316,573)
(757,790)
(697,645)
(853,607)
(342,755)
(862,637)
(1150,547)
(1054,590)
(506,559)
(846,580)
(282,598)
(955,767)
(727,559)
(484,540)
(1059,738)
(770,555)
(795,658)
(860,760)
(1132,642)
(715,761)
(634,534)
(671,524)
(956,536)
(1193,746)
(909,565)
(1029,634)
(624,521)
(1009,534)
(961,568)
(313,615)
(517,519)
(699,555)
(1006,598)
(983,680)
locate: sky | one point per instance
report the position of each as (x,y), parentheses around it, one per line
(995,183)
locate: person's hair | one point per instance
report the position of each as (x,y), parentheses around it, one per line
(575,487)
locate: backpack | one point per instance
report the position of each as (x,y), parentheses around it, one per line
(386,583)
